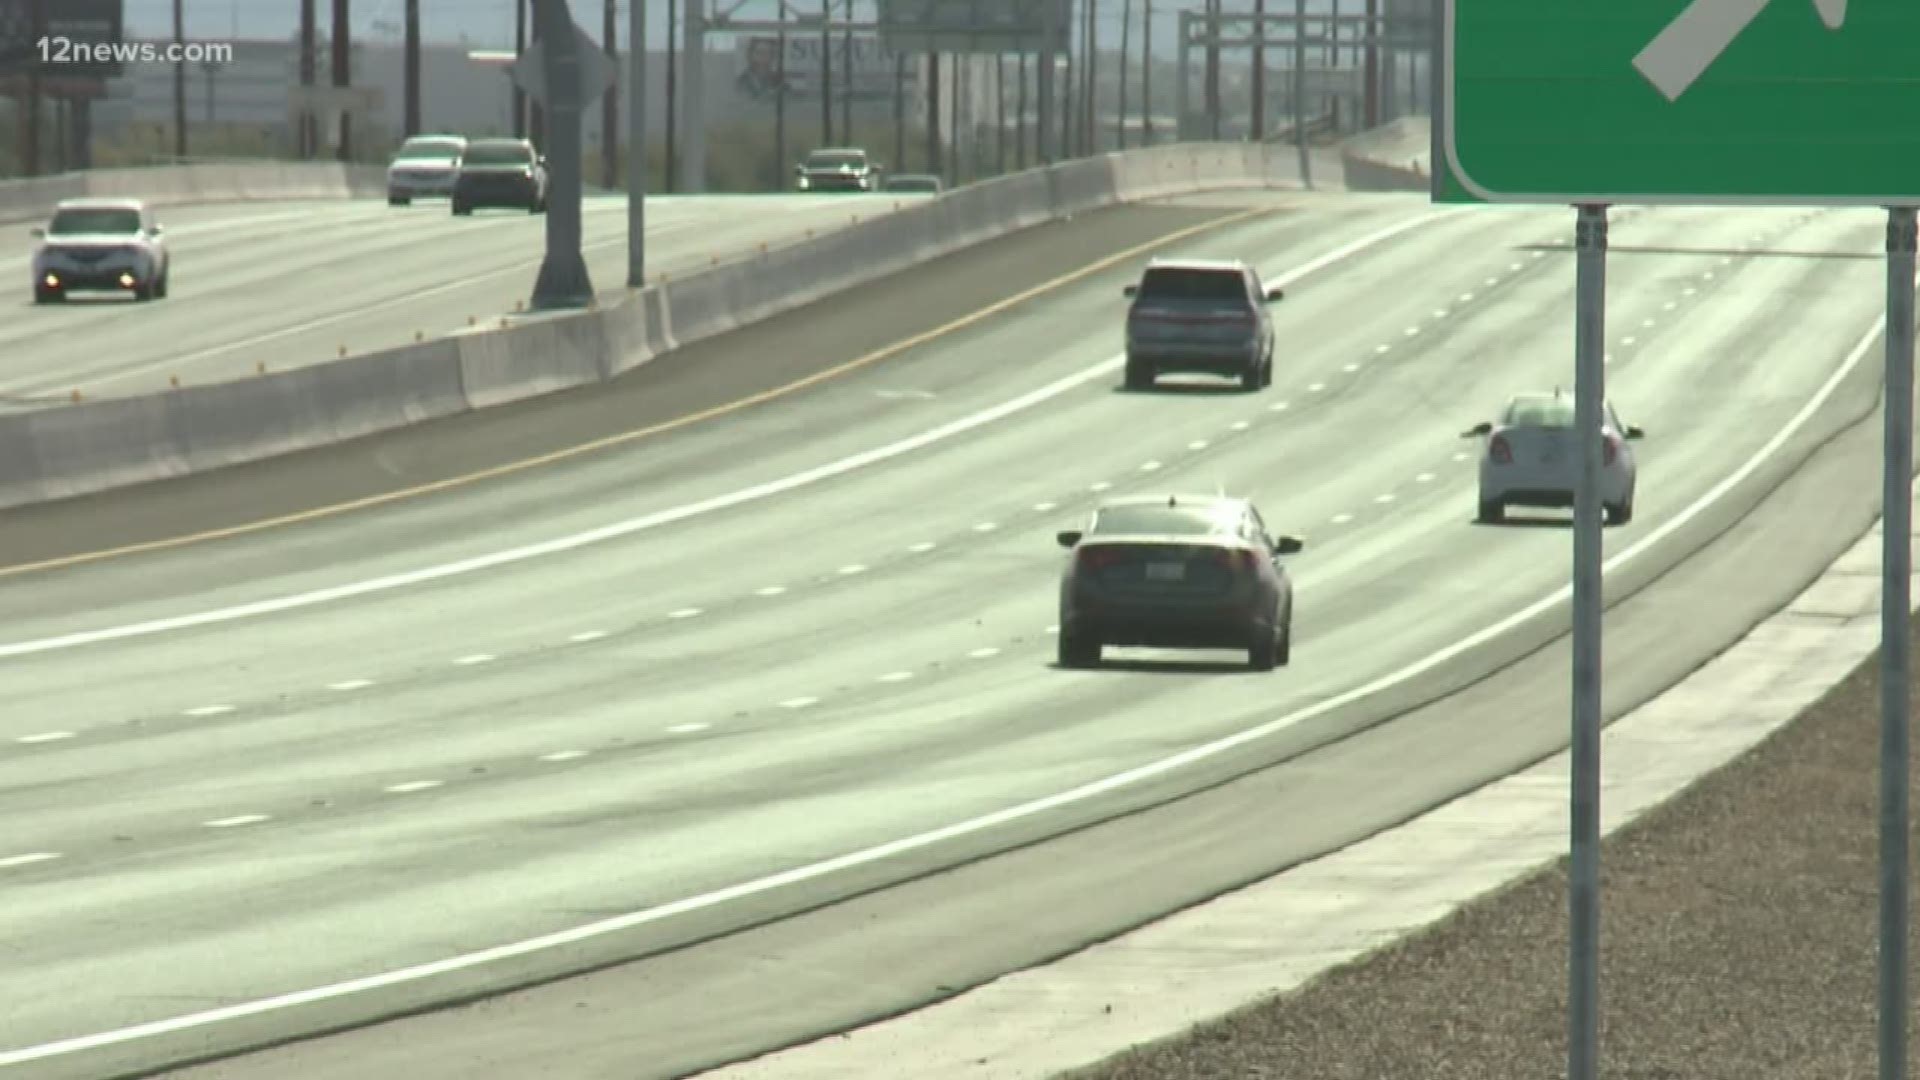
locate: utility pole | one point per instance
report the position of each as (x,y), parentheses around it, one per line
(826,72)
(179,85)
(899,160)
(780,105)
(30,123)
(1000,114)
(1120,110)
(673,109)
(308,135)
(1020,118)
(342,77)
(610,103)
(1257,126)
(846,78)
(933,114)
(1091,126)
(1146,73)
(636,144)
(1213,69)
(1370,75)
(1044,146)
(413,67)
(519,50)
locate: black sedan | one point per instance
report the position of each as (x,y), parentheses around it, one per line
(1176,572)
(506,173)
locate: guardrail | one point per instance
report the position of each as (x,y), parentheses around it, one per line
(173,185)
(86,447)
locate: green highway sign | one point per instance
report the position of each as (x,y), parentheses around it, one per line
(1696,102)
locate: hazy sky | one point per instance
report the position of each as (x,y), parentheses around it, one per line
(490,22)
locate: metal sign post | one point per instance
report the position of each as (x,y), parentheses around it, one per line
(636,144)
(1895,642)
(1589,392)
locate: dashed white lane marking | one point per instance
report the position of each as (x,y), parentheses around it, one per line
(28,859)
(986,527)
(1239,425)
(208,710)
(1053,629)
(1382,350)
(1706,275)
(1043,507)
(476,658)
(799,702)
(770,590)
(853,568)
(1670,305)
(1149,466)
(1607,358)
(234,822)
(1386,498)
(1424,478)
(1314,388)
(684,613)
(412,786)
(686,729)
(1098,485)
(588,635)
(895,676)
(1539,254)
(1461,456)
(1492,281)
(1515,267)
(1342,519)
(1350,368)
(1197,444)
(923,547)
(1646,322)
(1411,331)
(45,737)
(1687,291)
(1725,261)
(564,755)
(1628,340)
(1278,406)
(1440,313)
(1466,298)
(983,653)
(350,684)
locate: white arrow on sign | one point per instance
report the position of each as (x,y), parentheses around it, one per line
(1690,44)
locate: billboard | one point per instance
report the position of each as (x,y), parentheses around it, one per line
(80,41)
(975,26)
(758,67)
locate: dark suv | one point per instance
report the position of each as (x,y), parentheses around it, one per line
(500,172)
(1200,317)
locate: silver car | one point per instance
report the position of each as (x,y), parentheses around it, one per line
(424,168)
(1199,317)
(1176,572)
(100,245)
(1531,458)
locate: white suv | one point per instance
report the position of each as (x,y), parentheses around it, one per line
(102,245)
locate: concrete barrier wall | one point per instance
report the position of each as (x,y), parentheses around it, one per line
(94,446)
(1395,157)
(177,185)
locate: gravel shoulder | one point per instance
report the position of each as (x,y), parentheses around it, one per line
(1738,940)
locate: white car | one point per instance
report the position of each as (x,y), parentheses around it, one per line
(1531,458)
(424,167)
(101,245)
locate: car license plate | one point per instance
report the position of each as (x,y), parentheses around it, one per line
(1166,571)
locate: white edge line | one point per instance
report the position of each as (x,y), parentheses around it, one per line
(785,878)
(657,519)
(29,858)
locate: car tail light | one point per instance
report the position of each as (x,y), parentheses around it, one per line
(1499,451)
(1609,449)
(1098,558)
(1239,559)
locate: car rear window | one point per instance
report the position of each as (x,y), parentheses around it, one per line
(1161,521)
(1178,283)
(1541,413)
(818,160)
(497,155)
(429,148)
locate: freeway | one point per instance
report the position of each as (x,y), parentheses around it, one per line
(326,750)
(293,283)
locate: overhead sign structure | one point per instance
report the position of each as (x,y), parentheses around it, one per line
(597,73)
(1692,102)
(976,26)
(83,39)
